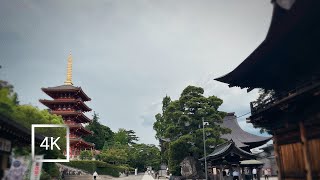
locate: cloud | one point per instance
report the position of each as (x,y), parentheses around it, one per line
(128,54)
(148,117)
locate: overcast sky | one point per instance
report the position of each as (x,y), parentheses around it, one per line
(128,54)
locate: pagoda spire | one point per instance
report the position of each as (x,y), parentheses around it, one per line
(69,71)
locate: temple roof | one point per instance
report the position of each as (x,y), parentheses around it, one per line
(79,115)
(228,148)
(79,128)
(50,103)
(80,142)
(241,138)
(66,88)
(287,55)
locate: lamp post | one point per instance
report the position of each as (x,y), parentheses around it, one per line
(204,148)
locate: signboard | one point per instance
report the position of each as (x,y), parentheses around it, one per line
(5,145)
(36,168)
(19,168)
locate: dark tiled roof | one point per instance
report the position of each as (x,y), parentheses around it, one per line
(66,88)
(80,127)
(80,140)
(226,148)
(274,63)
(239,136)
(220,149)
(49,103)
(63,87)
(16,132)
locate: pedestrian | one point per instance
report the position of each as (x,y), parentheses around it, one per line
(266,174)
(171,177)
(254,172)
(235,175)
(224,174)
(95,175)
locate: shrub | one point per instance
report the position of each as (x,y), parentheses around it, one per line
(86,155)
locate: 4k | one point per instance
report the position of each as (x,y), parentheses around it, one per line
(46,143)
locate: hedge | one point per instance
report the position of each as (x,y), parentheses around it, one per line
(102,168)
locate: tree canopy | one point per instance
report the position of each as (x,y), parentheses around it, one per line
(125,137)
(101,133)
(179,126)
(143,155)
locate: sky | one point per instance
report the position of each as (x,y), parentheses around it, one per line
(129,54)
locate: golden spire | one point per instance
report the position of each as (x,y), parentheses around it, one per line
(69,71)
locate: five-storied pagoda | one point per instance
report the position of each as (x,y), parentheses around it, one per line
(68,102)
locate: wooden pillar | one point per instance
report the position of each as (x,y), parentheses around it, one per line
(277,154)
(305,149)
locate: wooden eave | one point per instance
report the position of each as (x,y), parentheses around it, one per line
(49,103)
(288,53)
(79,129)
(66,88)
(79,116)
(81,142)
(227,148)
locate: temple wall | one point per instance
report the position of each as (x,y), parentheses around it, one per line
(299,156)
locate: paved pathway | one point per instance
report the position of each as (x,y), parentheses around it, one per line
(143,176)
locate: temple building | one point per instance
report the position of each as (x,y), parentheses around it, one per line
(69,102)
(287,64)
(12,135)
(235,152)
(241,138)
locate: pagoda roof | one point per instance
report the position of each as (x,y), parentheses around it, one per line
(287,55)
(80,142)
(78,115)
(226,149)
(49,103)
(66,88)
(241,138)
(79,128)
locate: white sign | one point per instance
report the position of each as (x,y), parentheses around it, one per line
(36,168)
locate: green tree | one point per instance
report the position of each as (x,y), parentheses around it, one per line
(7,100)
(143,155)
(132,137)
(101,133)
(264,96)
(115,155)
(125,137)
(86,155)
(26,115)
(180,125)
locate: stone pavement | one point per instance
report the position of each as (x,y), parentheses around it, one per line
(142,176)
(102,177)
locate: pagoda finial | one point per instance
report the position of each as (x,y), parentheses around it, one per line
(69,71)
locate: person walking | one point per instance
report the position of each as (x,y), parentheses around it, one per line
(266,174)
(254,173)
(235,175)
(224,174)
(95,175)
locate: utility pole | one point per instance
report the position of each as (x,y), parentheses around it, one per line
(204,148)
